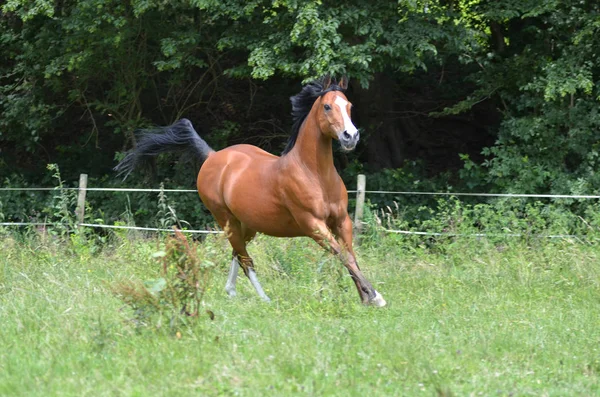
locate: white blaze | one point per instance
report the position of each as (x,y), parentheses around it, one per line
(348,125)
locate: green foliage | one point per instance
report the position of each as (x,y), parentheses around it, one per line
(108,59)
(24,206)
(175,296)
(542,71)
(102,57)
(78,78)
(311,38)
(503,222)
(166,215)
(61,213)
(410,178)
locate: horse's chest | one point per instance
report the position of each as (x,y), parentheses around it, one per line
(335,212)
(322,200)
(325,208)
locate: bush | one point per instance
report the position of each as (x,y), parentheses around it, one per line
(501,221)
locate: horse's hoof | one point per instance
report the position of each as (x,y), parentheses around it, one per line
(231,292)
(378,301)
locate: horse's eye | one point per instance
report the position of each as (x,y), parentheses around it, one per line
(327,107)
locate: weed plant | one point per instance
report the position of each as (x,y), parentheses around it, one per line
(177,294)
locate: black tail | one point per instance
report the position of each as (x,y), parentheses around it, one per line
(178,137)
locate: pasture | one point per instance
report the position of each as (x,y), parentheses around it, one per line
(467,317)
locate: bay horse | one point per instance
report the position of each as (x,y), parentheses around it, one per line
(249,190)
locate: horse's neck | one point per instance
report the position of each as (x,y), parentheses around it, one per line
(314,150)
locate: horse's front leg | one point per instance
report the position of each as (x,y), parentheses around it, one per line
(318,231)
(344,232)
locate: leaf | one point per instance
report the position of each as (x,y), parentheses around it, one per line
(159,254)
(156,286)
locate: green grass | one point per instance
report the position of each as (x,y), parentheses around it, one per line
(465,318)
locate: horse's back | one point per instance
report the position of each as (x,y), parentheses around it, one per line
(236,161)
(253,151)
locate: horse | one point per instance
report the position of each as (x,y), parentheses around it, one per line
(249,190)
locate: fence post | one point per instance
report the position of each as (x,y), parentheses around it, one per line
(361,183)
(80,210)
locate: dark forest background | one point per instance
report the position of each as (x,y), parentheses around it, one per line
(473,95)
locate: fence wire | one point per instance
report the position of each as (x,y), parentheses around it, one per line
(152,229)
(408,193)
(438,234)
(407,232)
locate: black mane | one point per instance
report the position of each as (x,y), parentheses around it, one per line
(303,102)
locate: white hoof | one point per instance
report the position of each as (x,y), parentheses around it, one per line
(230,291)
(378,301)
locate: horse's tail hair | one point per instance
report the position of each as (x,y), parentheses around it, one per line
(178,137)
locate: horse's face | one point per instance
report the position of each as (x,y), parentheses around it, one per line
(334,119)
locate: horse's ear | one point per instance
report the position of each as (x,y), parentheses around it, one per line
(343,82)
(326,81)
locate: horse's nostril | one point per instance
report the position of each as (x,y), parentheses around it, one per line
(345,135)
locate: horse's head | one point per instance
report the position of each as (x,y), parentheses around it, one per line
(333,115)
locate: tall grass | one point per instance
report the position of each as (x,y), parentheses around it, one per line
(465,316)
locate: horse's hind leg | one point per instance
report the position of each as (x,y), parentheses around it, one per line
(233,273)
(235,263)
(247,265)
(239,236)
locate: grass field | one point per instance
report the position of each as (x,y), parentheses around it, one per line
(465,318)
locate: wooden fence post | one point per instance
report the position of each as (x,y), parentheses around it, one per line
(80,210)
(361,183)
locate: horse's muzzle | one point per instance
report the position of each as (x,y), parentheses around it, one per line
(348,141)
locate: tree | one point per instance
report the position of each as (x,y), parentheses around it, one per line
(106,66)
(541,69)
(512,86)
